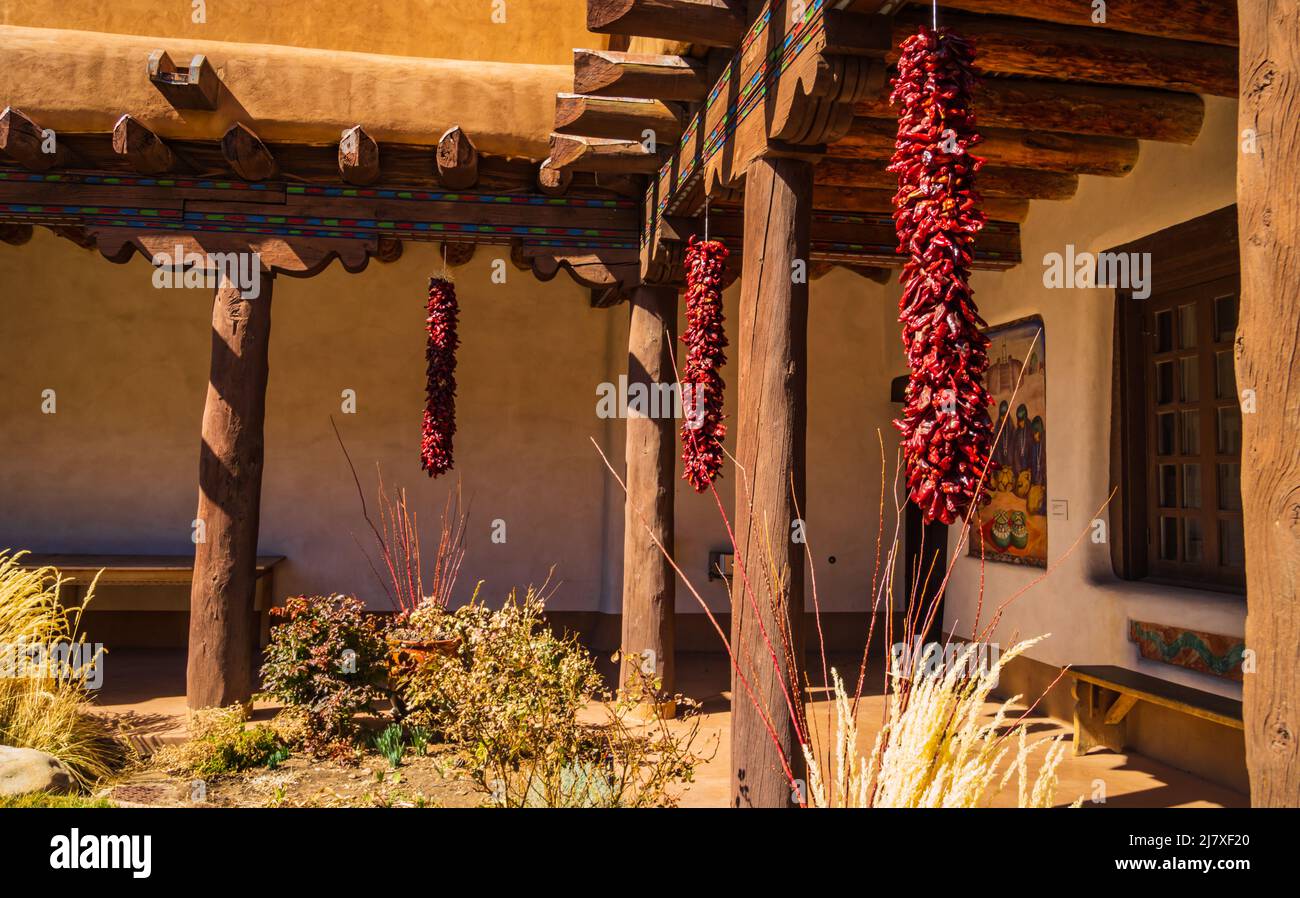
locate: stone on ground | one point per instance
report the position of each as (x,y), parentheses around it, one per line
(24,770)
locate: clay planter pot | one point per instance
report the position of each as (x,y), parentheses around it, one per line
(403,652)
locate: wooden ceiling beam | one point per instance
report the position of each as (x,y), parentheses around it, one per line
(1008,46)
(871,138)
(247,155)
(1208,21)
(835,198)
(405,166)
(457,159)
(709,23)
(144,150)
(27,143)
(15,234)
(388,249)
(788,92)
(869,239)
(601,154)
(604,73)
(456,254)
(616,117)
(871,7)
(189,205)
(551,180)
(358,157)
(1024,183)
(1101,110)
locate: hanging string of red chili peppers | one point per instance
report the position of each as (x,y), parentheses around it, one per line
(440,399)
(947,434)
(702,386)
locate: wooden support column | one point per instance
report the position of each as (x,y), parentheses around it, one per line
(1268,364)
(649,583)
(772,355)
(222,628)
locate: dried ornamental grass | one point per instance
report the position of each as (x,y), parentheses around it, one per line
(42,712)
(936,749)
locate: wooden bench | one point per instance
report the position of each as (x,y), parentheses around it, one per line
(1103,696)
(151,574)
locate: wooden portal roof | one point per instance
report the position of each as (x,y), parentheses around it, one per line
(1061,97)
(303,155)
(347,155)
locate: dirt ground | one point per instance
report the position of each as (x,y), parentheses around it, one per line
(438,779)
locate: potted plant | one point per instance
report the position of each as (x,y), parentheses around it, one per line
(421,633)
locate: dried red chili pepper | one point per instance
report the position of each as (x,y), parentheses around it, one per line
(702,385)
(440,398)
(947,433)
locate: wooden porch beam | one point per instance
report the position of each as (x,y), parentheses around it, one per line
(602,154)
(457,159)
(866,239)
(15,234)
(27,143)
(358,157)
(553,180)
(865,199)
(771,413)
(144,150)
(871,138)
(457,254)
(994,181)
(607,221)
(710,23)
(607,73)
(1208,22)
(616,117)
(1010,46)
(1107,111)
(1268,370)
(247,155)
(649,582)
(219,671)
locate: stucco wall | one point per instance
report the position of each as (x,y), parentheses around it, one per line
(1083,604)
(115,468)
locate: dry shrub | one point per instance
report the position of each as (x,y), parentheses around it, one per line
(512,695)
(510,685)
(624,761)
(326,656)
(221,744)
(936,749)
(41,712)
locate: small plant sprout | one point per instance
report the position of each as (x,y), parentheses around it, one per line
(391,744)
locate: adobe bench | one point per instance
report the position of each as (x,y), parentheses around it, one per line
(161,584)
(1104,694)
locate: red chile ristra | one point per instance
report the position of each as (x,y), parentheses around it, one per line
(440,401)
(947,434)
(705,342)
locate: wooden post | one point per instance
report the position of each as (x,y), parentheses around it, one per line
(772,381)
(649,583)
(222,628)
(1268,365)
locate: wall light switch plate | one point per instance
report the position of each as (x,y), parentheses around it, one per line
(1061,508)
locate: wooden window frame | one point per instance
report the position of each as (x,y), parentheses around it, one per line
(1197,255)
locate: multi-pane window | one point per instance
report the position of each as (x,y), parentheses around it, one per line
(1176,430)
(1194,529)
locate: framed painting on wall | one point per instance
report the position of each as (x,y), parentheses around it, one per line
(1012,527)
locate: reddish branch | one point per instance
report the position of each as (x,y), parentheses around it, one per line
(947,434)
(702,386)
(440,401)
